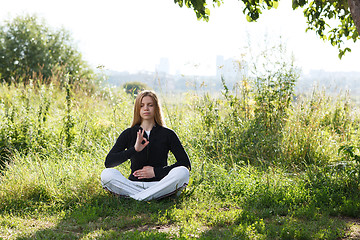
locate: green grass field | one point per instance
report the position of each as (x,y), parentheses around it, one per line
(265,166)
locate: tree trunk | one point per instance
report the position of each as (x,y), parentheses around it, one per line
(355,12)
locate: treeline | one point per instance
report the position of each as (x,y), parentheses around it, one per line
(332,82)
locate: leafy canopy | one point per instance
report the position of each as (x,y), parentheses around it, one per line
(330,19)
(29,47)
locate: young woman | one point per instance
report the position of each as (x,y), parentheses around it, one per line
(147,144)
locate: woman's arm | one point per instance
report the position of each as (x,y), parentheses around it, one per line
(182,159)
(121,151)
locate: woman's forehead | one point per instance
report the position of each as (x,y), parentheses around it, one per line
(147,99)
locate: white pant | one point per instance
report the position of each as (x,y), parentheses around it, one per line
(176,180)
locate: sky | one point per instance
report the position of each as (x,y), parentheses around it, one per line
(133,35)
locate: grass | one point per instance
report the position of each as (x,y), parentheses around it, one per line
(243,213)
(257,173)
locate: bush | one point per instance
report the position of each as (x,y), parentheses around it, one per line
(134,87)
(29,49)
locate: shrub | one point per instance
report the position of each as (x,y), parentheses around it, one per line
(31,49)
(134,87)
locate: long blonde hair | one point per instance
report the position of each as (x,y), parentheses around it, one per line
(157,116)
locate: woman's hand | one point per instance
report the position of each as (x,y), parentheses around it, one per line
(139,145)
(145,172)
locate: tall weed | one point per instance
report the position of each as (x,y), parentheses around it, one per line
(245,125)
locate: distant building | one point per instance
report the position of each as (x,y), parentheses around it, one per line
(163,67)
(231,69)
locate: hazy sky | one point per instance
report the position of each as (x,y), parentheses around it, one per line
(133,35)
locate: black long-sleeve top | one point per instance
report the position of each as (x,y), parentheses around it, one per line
(155,154)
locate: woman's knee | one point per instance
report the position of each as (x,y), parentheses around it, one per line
(108,174)
(180,172)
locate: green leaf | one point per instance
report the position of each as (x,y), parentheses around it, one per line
(294,4)
(249,19)
(275,4)
(355,35)
(207,11)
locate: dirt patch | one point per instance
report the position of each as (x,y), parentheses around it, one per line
(19,227)
(353,231)
(171,229)
(159,228)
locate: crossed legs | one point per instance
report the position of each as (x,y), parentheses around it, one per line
(174,182)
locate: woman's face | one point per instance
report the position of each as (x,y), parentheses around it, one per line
(147,109)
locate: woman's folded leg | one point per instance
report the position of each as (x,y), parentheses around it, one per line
(115,182)
(175,181)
